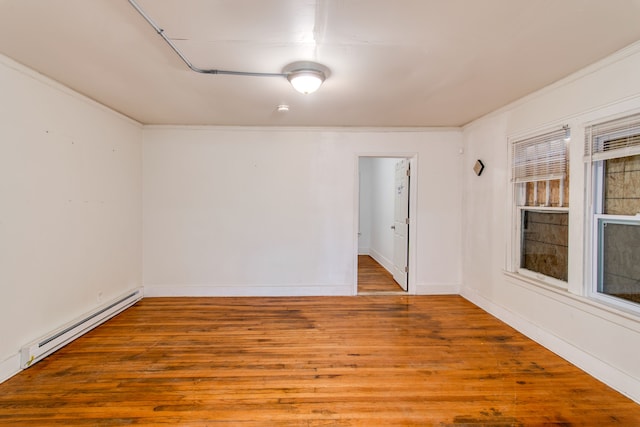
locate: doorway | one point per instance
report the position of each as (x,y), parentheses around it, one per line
(384,201)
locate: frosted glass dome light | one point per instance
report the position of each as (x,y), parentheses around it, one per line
(306,81)
(306,77)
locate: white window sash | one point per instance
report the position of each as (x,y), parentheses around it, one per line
(517,253)
(597,259)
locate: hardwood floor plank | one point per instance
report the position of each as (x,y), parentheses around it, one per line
(374,278)
(338,361)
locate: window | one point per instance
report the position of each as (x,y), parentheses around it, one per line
(541,196)
(613,150)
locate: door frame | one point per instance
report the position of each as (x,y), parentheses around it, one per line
(412,157)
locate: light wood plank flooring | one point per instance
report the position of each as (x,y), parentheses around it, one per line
(374,278)
(323,361)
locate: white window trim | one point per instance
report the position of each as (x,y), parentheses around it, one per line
(596,261)
(593,210)
(514,242)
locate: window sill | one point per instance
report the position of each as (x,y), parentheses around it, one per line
(539,279)
(617,315)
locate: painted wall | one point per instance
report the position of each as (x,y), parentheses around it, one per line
(70,207)
(378,186)
(274,211)
(382,247)
(602,340)
(366,206)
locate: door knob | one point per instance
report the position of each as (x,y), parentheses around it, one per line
(393,227)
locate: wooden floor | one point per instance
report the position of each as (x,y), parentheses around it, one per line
(319,361)
(374,278)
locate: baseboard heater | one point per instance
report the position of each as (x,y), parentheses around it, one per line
(41,348)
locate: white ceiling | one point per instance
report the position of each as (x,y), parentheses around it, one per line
(393,62)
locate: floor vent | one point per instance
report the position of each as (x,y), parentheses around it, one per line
(41,348)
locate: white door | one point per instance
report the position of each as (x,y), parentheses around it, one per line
(401,224)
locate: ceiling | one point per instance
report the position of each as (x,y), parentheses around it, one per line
(392,62)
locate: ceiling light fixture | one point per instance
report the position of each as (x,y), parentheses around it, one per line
(306,77)
(306,81)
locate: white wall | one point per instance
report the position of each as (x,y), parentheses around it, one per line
(241,211)
(70,207)
(366,207)
(602,340)
(383,173)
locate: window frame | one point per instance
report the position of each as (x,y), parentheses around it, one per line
(597,260)
(518,191)
(594,215)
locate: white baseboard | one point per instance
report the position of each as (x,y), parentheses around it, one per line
(246,290)
(437,289)
(9,367)
(613,377)
(382,260)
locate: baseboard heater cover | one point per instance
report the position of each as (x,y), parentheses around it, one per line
(41,348)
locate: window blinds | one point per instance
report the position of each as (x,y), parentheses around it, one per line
(613,139)
(540,158)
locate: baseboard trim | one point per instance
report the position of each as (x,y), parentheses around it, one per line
(9,367)
(611,376)
(382,260)
(246,290)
